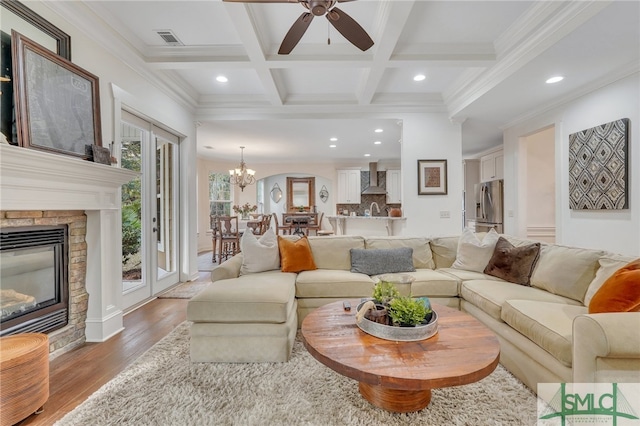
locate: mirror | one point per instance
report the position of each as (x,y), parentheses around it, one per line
(300,193)
(276,193)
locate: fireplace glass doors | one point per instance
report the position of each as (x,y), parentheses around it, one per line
(34,288)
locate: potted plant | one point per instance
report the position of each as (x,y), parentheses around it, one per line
(384,292)
(244,210)
(408,312)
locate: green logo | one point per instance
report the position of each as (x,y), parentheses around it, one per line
(588,403)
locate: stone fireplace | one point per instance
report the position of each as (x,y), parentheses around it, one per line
(40,188)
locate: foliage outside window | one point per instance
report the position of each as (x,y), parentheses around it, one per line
(220,194)
(131,201)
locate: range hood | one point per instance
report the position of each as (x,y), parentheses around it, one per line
(373,181)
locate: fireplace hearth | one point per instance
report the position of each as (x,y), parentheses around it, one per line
(34,289)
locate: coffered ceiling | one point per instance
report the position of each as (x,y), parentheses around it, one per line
(485,65)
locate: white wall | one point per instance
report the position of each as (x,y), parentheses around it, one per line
(431,136)
(137,93)
(541,185)
(617,231)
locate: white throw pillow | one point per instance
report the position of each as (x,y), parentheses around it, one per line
(608,265)
(473,254)
(259,255)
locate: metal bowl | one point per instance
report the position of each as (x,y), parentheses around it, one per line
(401,334)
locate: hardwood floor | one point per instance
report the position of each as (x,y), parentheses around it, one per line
(79,373)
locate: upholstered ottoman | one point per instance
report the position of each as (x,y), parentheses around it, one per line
(244,319)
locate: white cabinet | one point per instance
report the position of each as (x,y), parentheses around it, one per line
(393,187)
(492,166)
(348,186)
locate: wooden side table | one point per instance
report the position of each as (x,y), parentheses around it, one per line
(24,374)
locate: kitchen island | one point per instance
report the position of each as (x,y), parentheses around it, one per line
(366,225)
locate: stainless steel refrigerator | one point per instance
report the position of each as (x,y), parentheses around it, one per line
(490,206)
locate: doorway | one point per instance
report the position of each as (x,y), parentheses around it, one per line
(541,185)
(149,210)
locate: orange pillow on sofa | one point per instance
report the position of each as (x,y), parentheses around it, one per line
(295,256)
(620,292)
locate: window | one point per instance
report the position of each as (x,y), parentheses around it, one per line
(220,195)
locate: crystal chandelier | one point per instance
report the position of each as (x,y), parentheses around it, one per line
(242,176)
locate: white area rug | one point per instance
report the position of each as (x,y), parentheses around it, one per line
(164,388)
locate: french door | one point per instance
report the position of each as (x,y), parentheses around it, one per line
(149,210)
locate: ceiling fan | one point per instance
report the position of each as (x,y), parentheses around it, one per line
(342,22)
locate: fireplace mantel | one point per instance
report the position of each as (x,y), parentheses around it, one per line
(38,180)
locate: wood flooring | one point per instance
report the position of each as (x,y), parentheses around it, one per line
(74,376)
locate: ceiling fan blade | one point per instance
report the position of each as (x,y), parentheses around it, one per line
(295,33)
(350,29)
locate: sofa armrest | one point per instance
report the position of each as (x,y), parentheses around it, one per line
(606,348)
(228,269)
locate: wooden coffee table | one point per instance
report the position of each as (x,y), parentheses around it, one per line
(399,376)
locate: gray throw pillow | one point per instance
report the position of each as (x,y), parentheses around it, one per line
(382,261)
(513,264)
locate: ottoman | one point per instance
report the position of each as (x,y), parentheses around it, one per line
(251,318)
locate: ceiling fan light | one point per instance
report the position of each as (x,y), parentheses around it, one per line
(318,9)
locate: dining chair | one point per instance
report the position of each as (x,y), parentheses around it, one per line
(213,223)
(255,225)
(285,228)
(228,237)
(315,227)
(266,223)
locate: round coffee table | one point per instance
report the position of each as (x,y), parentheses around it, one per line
(399,376)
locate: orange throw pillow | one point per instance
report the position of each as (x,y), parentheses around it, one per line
(620,292)
(295,256)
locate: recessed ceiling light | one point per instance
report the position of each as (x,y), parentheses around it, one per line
(419,77)
(208,147)
(333,139)
(332,146)
(367,155)
(377,143)
(554,79)
(379,130)
(221,79)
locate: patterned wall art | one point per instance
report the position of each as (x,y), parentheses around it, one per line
(598,167)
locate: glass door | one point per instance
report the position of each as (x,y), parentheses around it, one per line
(149,210)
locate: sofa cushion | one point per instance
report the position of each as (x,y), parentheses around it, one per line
(422,256)
(566,271)
(430,283)
(513,264)
(473,253)
(295,256)
(334,252)
(382,261)
(259,254)
(264,298)
(609,264)
(462,275)
(547,324)
(620,293)
(444,250)
(333,283)
(490,295)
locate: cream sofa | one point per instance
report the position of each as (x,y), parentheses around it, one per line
(545,331)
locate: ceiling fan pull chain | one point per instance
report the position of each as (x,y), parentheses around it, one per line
(328,33)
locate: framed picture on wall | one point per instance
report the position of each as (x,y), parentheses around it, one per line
(432,177)
(57,102)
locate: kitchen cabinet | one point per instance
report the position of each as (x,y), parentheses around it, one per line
(348,186)
(492,166)
(393,187)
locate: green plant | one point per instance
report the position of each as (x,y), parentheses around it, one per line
(131,230)
(384,292)
(245,209)
(407,311)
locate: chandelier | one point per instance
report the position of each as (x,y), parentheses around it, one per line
(242,176)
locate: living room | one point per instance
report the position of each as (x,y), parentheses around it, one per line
(130,80)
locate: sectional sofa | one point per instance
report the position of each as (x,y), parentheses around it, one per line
(544,328)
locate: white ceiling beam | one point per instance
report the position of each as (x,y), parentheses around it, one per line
(558,23)
(393,16)
(245,26)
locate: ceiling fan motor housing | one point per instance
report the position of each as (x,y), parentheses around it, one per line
(320,7)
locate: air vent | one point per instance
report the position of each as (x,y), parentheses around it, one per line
(169,37)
